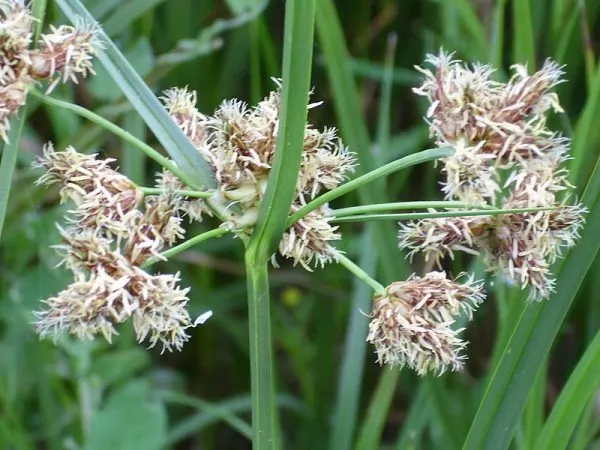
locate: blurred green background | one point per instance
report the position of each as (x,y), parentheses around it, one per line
(92,395)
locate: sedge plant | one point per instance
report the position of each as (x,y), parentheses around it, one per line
(268,176)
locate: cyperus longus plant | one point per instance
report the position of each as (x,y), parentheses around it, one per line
(271,177)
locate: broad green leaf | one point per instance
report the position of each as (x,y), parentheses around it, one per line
(129,420)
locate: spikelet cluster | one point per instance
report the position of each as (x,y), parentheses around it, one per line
(112,231)
(412,322)
(63,54)
(239,143)
(505,157)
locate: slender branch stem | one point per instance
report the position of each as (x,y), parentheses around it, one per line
(118,131)
(183,192)
(434,215)
(359,273)
(217,232)
(394,166)
(342,212)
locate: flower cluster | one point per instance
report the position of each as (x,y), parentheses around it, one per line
(63,54)
(505,157)
(411,323)
(112,232)
(239,143)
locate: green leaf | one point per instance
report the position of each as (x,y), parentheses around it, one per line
(141,58)
(119,364)
(297,68)
(574,398)
(8,163)
(523,40)
(523,355)
(345,412)
(370,432)
(129,420)
(177,145)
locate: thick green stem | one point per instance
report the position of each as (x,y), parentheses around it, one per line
(265,434)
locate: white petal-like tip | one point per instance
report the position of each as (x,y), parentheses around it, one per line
(202,318)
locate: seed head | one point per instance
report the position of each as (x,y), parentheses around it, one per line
(491,125)
(308,240)
(114,230)
(239,142)
(64,54)
(411,323)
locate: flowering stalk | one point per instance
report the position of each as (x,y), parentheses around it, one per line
(379,207)
(491,211)
(117,131)
(394,166)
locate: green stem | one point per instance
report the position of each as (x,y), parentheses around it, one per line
(360,274)
(342,212)
(265,434)
(394,166)
(217,232)
(118,131)
(434,215)
(183,192)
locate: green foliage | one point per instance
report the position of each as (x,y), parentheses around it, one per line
(531,380)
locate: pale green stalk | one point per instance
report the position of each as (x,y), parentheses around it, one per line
(394,166)
(273,212)
(434,215)
(217,232)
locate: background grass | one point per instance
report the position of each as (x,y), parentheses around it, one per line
(330,392)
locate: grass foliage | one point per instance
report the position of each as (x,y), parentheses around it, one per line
(533,373)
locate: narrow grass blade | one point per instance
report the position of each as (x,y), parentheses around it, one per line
(523,40)
(370,432)
(297,65)
(474,28)
(129,11)
(574,398)
(525,352)
(145,102)
(533,418)
(586,134)
(273,213)
(413,426)
(354,130)
(8,163)
(345,412)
